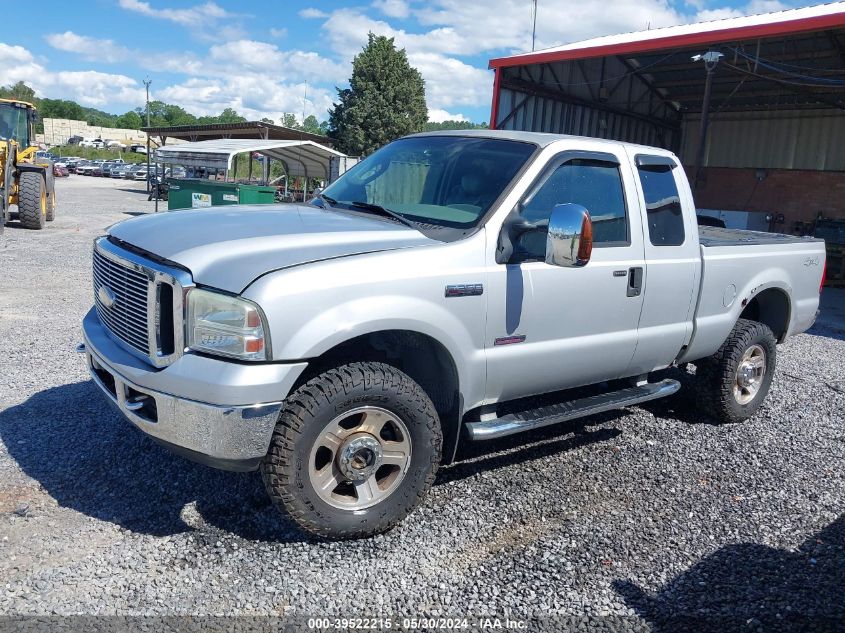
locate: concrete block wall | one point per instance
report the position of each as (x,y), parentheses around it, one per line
(58,131)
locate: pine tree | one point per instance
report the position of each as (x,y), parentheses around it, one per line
(385,100)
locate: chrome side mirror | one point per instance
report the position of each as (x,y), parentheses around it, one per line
(569,242)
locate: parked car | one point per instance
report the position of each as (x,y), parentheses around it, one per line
(86,168)
(75,140)
(138,148)
(132,170)
(142,174)
(98,169)
(118,171)
(523,265)
(60,170)
(115,145)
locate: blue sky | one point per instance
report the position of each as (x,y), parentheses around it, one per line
(257,56)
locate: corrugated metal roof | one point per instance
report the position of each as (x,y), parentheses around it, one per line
(302,158)
(824,16)
(244,129)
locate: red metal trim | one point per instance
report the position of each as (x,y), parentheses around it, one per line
(815,23)
(494,107)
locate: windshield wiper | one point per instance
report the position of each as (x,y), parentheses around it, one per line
(384,211)
(327,198)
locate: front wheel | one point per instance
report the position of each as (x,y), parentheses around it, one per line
(355,450)
(733,383)
(32,200)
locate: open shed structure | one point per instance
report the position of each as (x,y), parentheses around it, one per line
(300,158)
(776,138)
(242,130)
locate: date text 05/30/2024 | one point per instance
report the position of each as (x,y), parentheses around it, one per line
(418,624)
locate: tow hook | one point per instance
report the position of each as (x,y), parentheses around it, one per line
(80,349)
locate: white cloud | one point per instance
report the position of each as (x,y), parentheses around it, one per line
(393,8)
(250,56)
(450,82)
(313,14)
(752,8)
(191,17)
(438,116)
(207,20)
(253,97)
(89,88)
(278,33)
(89,48)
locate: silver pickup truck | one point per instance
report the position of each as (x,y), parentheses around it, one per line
(346,347)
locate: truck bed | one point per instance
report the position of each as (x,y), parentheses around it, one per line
(711,236)
(737,266)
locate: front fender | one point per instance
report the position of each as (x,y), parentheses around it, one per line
(312,309)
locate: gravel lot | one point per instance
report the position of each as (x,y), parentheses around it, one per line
(647,513)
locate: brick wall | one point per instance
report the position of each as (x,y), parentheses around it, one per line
(801,195)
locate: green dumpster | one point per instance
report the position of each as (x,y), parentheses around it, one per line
(188,193)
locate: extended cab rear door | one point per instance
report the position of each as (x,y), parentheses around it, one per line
(672,259)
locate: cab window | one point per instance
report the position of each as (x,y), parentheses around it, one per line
(597,186)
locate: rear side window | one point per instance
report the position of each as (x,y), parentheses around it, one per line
(663,205)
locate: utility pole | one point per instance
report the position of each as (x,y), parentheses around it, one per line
(710,59)
(147,83)
(534,28)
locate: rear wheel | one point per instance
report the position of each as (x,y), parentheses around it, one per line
(32,200)
(733,383)
(51,199)
(354,452)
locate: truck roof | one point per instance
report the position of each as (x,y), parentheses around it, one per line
(539,138)
(26,103)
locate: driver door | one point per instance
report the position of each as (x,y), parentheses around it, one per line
(552,328)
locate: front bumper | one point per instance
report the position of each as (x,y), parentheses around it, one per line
(229,428)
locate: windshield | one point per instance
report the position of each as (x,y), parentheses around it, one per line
(13,123)
(448,181)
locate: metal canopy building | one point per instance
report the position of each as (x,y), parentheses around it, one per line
(300,158)
(776,140)
(246,129)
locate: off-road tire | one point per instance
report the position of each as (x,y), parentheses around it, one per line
(306,412)
(716,375)
(32,200)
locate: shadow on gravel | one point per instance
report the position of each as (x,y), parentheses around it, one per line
(829,331)
(495,454)
(88,458)
(752,587)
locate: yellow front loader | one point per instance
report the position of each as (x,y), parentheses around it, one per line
(27,183)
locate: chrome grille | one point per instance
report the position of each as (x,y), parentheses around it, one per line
(127,317)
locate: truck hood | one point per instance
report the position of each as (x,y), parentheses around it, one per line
(229,247)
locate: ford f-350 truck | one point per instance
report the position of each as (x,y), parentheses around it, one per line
(346,347)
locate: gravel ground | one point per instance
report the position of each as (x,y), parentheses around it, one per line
(647,513)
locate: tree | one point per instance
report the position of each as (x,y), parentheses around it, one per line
(268,120)
(229,115)
(431,126)
(130,121)
(385,99)
(289,120)
(312,125)
(18,91)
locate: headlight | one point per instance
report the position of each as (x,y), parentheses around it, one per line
(225,325)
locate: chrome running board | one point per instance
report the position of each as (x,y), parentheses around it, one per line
(531,419)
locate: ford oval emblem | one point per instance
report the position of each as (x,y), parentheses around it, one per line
(106,296)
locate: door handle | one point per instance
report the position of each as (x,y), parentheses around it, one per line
(635,281)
